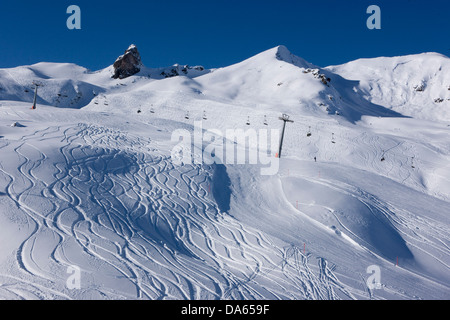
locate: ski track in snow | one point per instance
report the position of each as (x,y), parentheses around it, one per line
(123,214)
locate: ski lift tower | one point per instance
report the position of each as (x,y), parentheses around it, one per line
(285,119)
(36,86)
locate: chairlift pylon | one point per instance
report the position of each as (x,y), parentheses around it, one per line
(187,116)
(309,134)
(204,116)
(248,121)
(332,138)
(36,85)
(265,121)
(285,119)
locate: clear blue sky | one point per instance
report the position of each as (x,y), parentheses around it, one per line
(216,33)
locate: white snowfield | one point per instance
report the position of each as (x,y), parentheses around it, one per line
(88,182)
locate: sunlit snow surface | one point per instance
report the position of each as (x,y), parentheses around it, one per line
(93,185)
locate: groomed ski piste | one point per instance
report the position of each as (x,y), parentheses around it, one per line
(87,181)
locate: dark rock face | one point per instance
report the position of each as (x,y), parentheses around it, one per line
(316,73)
(128,64)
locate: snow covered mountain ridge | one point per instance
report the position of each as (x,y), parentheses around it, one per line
(415,85)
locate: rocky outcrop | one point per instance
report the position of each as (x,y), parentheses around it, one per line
(419,87)
(177,70)
(316,73)
(127,64)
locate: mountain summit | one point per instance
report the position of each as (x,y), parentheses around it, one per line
(127,64)
(283,54)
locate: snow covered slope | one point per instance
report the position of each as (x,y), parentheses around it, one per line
(64,84)
(275,77)
(70,86)
(414,85)
(278,78)
(94,186)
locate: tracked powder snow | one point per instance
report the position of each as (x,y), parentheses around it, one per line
(87,181)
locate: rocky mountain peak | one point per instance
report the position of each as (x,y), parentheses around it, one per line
(127,64)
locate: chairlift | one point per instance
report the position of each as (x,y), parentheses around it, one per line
(332,138)
(187,116)
(248,121)
(412,163)
(265,121)
(309,134)
(204,116)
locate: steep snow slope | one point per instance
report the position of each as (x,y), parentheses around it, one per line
(413,85)
(278,78)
